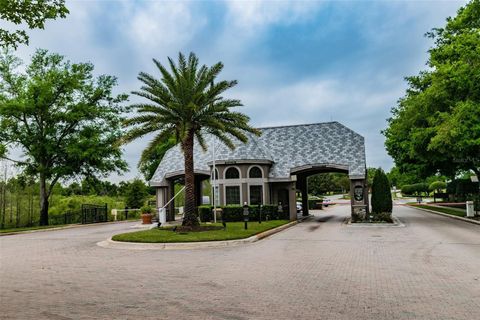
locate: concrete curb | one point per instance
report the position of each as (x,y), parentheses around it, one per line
(447,215)
(109,243)
(64,227)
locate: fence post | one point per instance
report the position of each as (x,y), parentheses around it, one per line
(83,215)
(126,213)
(106,212)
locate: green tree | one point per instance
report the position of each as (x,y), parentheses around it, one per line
(184,104)
(65,120)
(436,126)
(136,195)
(381,194)
(437,186)
(32,14)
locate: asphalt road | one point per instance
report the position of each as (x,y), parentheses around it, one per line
(319,269)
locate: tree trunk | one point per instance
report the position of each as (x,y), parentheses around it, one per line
(43,201)
(190,213)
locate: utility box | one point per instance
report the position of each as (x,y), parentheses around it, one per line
(470,209)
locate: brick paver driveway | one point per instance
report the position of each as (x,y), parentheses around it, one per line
(321,269)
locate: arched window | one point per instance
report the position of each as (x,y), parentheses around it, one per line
(255,172)
(232,173)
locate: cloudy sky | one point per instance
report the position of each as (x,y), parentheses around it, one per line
(295,61)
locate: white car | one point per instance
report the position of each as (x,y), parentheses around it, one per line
(299,207)
(326,202)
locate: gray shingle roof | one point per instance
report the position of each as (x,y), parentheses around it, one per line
(286,147)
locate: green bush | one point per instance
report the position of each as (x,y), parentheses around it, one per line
(437,185)
(315,203)
(146,209)
(205,213)
(383,217)
(381,195)
(234,213)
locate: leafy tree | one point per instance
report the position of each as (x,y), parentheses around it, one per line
(436,125)
(437,186)
(66,121)
(73,189)
(328,182)
(137,194)
(381,194)
(184,104)
(33,14)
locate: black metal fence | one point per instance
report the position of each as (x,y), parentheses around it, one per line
(92,213)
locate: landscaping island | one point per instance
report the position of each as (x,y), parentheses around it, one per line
(233,231)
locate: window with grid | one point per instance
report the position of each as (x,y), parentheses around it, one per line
(255,172)
(232,173)
(256,195)
(232,195)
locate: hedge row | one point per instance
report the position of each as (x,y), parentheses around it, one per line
(235,213)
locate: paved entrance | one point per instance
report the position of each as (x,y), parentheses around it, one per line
(319,269)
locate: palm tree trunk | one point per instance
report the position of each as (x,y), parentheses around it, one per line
(190,215)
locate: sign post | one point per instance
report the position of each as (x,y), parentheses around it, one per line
(245,214)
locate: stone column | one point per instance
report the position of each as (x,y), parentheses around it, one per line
(292,199)
(303,186)
(359,198)
(171,207)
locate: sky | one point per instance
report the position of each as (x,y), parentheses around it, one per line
(296,62)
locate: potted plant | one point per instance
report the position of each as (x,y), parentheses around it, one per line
(146,212)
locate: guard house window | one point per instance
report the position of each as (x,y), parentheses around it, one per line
(255,172)
(232,195)
(256,195)
(232,173)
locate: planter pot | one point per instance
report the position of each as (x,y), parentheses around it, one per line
(146,218)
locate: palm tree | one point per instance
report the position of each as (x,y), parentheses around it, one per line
(186,103)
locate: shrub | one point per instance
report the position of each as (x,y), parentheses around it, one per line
(381,195)
(146,210)
(437,186)
(205,213)
(234,213)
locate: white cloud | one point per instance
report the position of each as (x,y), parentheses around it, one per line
(250,15)
(161,24)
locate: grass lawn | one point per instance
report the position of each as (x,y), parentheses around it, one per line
(30,228)
(452,212)
(235,230)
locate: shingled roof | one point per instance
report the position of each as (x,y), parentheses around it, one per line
(285,147)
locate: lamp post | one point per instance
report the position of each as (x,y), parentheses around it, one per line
(214,184)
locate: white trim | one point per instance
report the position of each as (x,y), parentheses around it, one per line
(253,166)
(225,171)
(225,192)
(263,191)
(243,180)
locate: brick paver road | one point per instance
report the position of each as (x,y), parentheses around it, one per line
(321,269)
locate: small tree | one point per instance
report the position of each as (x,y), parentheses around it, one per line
(136,194)
(381,194)
(437,186)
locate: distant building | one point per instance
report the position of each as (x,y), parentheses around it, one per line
(270,169)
